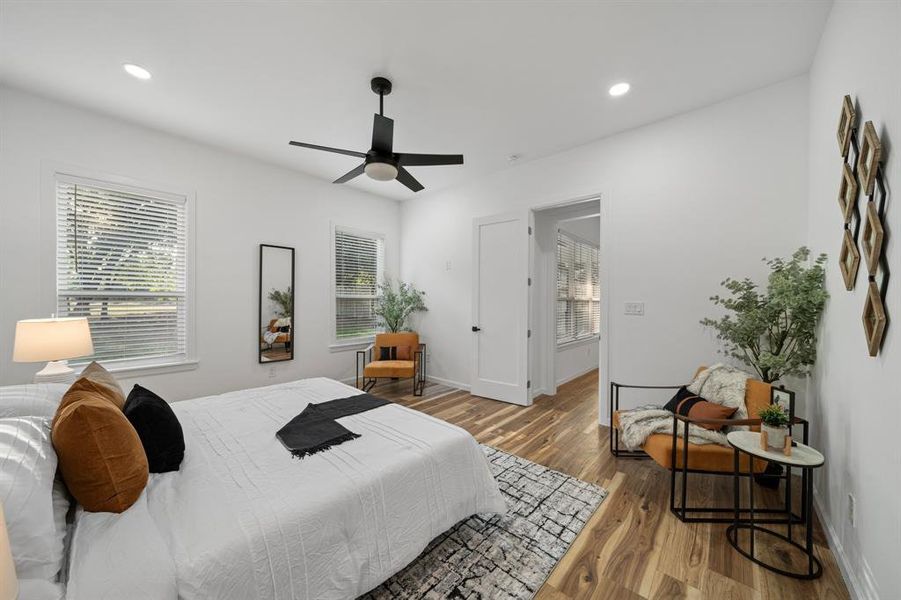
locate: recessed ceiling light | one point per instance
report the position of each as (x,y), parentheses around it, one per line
(137,71)
(619,89)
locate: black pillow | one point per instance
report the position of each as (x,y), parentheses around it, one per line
(158,428)
(681,395)
(388,353)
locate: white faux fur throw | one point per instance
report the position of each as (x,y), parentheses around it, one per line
(636,425)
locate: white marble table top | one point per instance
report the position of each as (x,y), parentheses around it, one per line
(801,456)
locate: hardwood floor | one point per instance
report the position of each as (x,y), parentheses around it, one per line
(633,547)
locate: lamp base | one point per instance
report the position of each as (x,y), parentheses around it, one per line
(56,371)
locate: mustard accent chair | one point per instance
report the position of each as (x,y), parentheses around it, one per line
(392,356)
(670,451)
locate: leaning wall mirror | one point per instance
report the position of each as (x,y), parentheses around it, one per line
(276,323)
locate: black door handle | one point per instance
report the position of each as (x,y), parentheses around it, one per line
(474,328)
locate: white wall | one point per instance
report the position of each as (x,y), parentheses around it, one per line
(691,200)
(240,203)
(854,400)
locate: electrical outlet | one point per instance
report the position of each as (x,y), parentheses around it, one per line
(271,371)
(447,266)
(635,309)
(852,510)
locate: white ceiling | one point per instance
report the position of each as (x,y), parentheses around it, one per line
(487,79)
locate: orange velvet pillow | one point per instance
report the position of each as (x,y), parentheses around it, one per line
(695,407)
(101,458)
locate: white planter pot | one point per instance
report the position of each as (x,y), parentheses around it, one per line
(775,436)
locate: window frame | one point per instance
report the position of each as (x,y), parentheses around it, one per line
(52,174)
(592,337)
(343,344)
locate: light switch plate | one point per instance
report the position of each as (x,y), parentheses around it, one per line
(635,309)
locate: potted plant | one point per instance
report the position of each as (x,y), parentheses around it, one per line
(395,305)
(775,425)
(774,331)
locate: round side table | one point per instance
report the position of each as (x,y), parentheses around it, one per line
(802,457)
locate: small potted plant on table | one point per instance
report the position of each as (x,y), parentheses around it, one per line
(775,425)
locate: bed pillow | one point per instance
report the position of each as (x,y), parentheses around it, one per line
(158,427)
(27,469)
(32,400)
(724,385)
(100,376)
(100,454)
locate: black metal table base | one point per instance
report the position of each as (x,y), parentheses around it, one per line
(814,567)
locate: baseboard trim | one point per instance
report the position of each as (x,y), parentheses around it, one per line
(860,588)
(577,375)
(448,382)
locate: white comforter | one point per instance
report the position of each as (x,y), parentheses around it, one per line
(243,519)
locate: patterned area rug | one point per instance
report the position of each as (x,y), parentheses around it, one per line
(502,557)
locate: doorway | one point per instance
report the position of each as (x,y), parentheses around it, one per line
(565,295)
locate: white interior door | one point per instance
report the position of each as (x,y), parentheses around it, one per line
(500,307)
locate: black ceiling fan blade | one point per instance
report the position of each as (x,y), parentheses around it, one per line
(382,134)
(429,160)
(408,180)
(327,149)
(355,172)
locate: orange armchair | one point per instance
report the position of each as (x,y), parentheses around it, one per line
(670,451)
(394,356)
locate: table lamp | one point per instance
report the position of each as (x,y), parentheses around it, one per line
(54,340)
(9,585)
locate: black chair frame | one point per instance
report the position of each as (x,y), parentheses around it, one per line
(686,513)
(364,357)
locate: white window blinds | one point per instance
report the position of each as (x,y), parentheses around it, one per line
(121,261)
(578,289)
(359,264)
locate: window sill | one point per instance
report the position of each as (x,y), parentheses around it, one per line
(135,370)
(350,345)
(576,343)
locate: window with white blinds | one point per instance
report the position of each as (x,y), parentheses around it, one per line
(358,267)
(121,261)
(578,289)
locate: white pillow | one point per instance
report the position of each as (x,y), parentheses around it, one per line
(31,400)
(120,555)
(723,385)
(27,470)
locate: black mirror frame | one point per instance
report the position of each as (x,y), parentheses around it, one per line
(260,305)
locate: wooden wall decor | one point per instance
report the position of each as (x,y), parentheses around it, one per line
(847,193)
(868,159)
(874,318)
(849,260)
(873,233)
(846,126)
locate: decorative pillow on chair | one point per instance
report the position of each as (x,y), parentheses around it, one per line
(724,385)
(404,353)
(100,454)
(158,427)
(693,406)
(388,353)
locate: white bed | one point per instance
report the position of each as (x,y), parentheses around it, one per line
(243,519)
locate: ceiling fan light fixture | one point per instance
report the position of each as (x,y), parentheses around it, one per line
(381,171)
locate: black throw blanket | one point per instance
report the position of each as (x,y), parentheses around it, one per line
(315,429)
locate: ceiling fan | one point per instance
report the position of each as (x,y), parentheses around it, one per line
(382,163)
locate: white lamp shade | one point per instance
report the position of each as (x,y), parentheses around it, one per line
(39,340)
(9,585)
